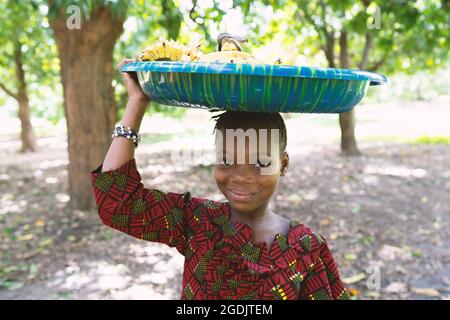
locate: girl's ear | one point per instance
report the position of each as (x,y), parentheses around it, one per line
(284,164)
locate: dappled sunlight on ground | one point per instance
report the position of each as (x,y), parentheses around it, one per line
(387,209)
(396,171)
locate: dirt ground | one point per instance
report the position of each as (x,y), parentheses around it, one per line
(386,216)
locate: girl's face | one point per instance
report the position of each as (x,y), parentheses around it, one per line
(247,184)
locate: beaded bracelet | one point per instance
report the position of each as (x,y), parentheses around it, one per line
(127,132)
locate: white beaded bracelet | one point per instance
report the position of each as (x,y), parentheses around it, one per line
(127,132)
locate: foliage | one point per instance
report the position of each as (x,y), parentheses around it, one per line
(147,21)
(413,35)
(24,26)
(87,7)
(431,140)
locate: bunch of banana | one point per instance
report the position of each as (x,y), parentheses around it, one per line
(193,52)
(163,50)
(278,61)
(229,51)
(229,57)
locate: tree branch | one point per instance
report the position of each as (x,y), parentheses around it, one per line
(202,26)
(319,30)
(367,45)
(324,17)
(327,38)
(192,11)
(8,92)
(343,53)
(379,63)
(366,50)
(329,49)
(20,74)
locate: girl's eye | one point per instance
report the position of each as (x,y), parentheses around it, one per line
(259,163)
(263,164)
(224,162)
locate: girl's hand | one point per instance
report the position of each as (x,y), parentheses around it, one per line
(131,83)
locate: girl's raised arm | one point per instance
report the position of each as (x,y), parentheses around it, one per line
(122,201)
(122,149)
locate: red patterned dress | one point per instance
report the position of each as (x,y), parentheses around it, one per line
(221,259)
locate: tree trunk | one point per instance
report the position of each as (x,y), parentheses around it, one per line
(347,119)
(86,57)
(365,54)
(329,49)
(27,133)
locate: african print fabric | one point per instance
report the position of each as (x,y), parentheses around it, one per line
(221,259)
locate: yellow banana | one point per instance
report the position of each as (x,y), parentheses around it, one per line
(278,61)
(149,53)
(160,49)
(171,49)
(163,49)
(229,56)
(176,53)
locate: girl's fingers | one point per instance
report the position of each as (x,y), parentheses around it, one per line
(127,76)
(123,62)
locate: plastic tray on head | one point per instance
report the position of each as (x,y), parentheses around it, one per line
(253,87)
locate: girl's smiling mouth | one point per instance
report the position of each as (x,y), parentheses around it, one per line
(238,195)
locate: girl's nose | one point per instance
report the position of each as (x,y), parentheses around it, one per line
(242,173)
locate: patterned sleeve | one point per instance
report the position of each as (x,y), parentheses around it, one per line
(149,214)
(338,290)
(323,282)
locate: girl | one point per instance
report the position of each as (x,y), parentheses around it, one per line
(239,249)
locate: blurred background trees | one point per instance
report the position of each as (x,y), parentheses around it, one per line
(41,56)
(382,36)
(87,70)
(87,73)
(27,61)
